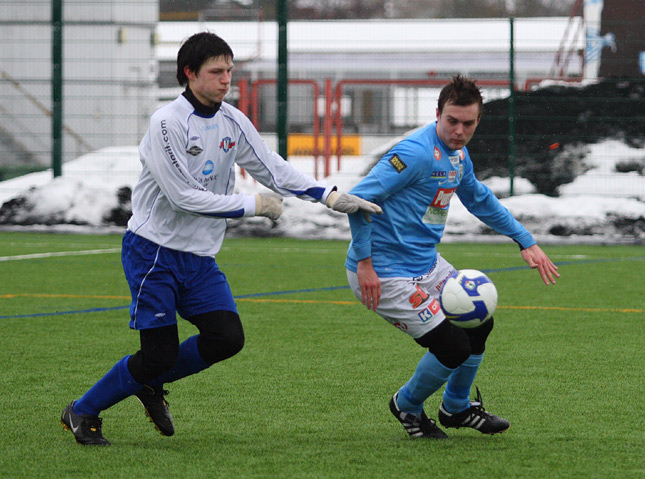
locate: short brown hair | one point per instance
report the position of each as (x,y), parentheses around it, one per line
(460,91)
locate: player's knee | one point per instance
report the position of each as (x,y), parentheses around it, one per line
(146,365)
(216,348)
(449,343)
(479,335)
(221,335)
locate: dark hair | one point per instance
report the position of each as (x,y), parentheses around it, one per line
(462,92)
(195,51)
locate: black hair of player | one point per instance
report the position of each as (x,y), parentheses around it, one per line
(198,49)
(461,91)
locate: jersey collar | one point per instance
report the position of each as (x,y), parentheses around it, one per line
(201,109)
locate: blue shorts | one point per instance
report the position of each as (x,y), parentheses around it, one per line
(165,281)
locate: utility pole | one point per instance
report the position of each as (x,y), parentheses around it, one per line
(57,87)
(283,80)
(511,111)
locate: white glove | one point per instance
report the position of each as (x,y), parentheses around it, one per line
(269,205)
(346,203)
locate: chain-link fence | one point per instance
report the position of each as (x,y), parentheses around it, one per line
(109,75)
(354,86)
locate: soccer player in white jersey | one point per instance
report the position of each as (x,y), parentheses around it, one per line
(179,210)
(394,269)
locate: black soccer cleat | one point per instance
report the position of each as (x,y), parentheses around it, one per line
(417,426)
(86,429)
(156,408)
(475,417)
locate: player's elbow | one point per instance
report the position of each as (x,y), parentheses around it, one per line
(182,203)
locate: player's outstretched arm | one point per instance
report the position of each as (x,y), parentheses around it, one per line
(537,259)
(346,203)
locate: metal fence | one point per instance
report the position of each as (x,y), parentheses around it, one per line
(354,86)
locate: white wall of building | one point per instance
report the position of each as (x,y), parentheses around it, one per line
(109,72)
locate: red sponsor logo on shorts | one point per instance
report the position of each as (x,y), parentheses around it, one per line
(418,297)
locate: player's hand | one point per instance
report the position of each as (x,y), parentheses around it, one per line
(370,284)
(269,205)
(537,259)
(346,203)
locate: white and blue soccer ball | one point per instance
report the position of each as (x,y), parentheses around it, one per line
(468,299)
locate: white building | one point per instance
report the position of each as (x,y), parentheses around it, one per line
(109,76)
(382,50)
(119,62)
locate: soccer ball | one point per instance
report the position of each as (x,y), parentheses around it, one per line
(468,299)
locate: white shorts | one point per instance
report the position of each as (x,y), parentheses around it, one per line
(411,304)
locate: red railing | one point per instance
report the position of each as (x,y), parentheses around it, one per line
(338,117)
(333,118)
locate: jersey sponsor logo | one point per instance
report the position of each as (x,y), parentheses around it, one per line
(454,159)
(171,154)
(449,178)
(194,150)
(437,154)
(401,326)
(430,312)
(398,165)
(194,138)
(209,166)
(461,172)
(207,179)
(442,198)
(435,216)
(438,175)
(226,144)
(462,155)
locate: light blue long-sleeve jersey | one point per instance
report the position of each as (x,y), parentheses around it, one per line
(414,183)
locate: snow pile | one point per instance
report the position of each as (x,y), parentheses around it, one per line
(94,193)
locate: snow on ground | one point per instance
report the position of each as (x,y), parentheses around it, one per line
(600,206)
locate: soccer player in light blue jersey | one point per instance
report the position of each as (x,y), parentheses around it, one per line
(394,269)
(179,209)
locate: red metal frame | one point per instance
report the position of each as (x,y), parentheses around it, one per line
(338,117)
(254,104)
(333,120)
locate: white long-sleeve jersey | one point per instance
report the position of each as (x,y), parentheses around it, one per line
(185,191)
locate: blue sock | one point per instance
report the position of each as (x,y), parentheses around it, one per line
(429,376)
(115,386)
(456,397)
(189,362)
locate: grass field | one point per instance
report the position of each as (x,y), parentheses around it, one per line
(308,396)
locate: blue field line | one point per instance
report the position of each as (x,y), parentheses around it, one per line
(317,290)
(115,308)
(58,313)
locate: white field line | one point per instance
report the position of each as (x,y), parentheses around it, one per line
(59,253)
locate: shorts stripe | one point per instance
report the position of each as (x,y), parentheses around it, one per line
(136,307)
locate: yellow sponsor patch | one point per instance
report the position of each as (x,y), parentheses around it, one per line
(398,165)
